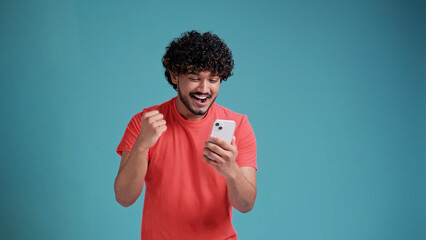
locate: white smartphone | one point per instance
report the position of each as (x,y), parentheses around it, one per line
(223,129)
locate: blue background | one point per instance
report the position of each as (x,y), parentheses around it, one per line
(335,91)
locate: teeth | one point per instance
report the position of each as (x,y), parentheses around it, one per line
(202,98)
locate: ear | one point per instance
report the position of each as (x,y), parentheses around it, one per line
(174,78)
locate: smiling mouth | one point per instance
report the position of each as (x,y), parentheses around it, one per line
(201,99)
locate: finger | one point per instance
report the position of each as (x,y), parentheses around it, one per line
(210,161)
(159,123)
(156,117)
(222,143)
(151,113)
(212,155)
(233,141)
(213,147)
(162,128)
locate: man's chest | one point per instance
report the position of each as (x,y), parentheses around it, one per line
(177,157)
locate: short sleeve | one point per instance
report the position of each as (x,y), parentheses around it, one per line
(246,145)
(130,134)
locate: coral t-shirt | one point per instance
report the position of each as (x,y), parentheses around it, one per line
(185,198)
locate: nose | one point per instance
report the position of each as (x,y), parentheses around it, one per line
(204,86)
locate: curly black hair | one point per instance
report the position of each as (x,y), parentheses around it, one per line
(194,52)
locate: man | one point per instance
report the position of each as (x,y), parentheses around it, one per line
(191,182)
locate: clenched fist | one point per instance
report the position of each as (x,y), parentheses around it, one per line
(152,126)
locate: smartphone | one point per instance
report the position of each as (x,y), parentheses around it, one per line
(223,129)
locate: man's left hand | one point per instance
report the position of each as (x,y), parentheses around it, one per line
(221,155)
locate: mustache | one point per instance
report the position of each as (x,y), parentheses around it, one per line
(200,94)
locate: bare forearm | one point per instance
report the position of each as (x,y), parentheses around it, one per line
(241,193)
(130,179)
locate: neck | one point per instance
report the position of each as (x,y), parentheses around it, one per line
(185,113)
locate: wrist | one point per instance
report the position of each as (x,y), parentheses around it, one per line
(233,174)
(140,146)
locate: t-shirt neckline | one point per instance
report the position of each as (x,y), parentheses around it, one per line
(189,123)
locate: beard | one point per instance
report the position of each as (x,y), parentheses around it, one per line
(185,100)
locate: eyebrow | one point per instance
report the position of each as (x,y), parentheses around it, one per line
(197,74)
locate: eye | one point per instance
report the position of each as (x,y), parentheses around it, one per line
(213,80)
(193,79)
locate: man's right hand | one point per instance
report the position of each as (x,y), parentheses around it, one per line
(152,126)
